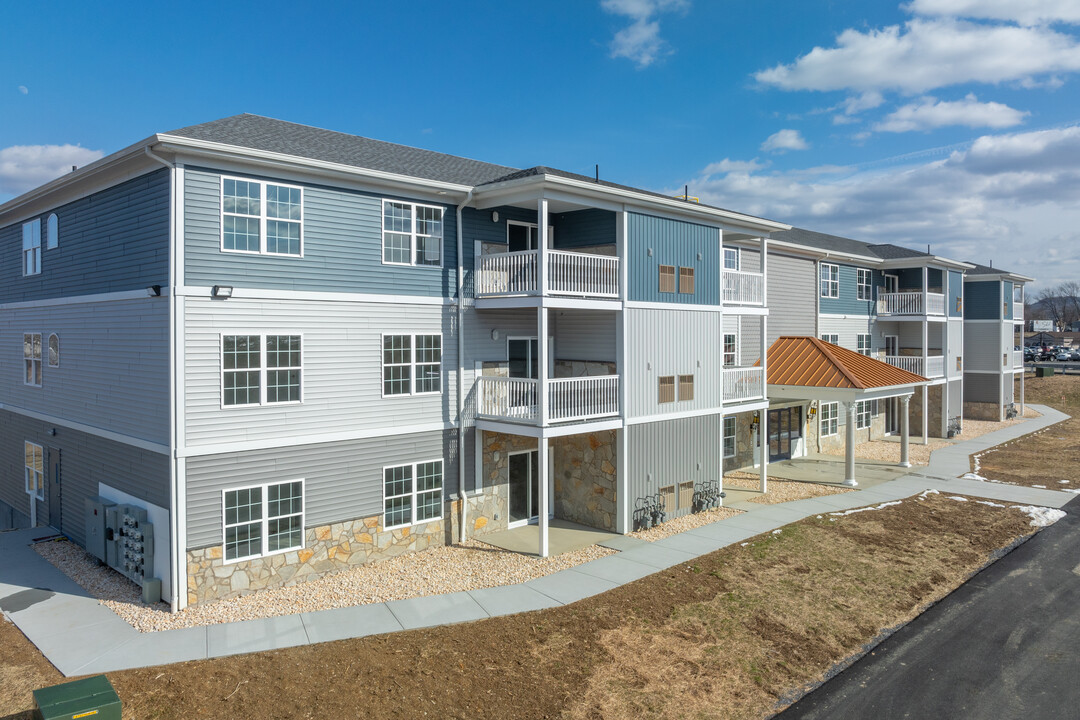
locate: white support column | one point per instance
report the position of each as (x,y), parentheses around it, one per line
(542,251)
(925,416)
(849,445)
(33,511)
(1021,392)
(905,433)
(542,344)
(544,469)
(763,466)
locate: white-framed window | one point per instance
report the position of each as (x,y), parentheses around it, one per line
(31,247)
(34,469)
(412,233)
(54,350)
(862,414)
(52,232)
(863,343)
(829,419)
(831,338)
(863,289)
(731,350)
(729,437)
(731,258)
(261,369)
(32,359)
(261,218)
(830,280)
(412,494)
(412,364)
(260,520)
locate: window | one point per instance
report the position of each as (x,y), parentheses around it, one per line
(54,350)
(731,350)
(52,232)
(263,520)
(863,289)
(261,217)
(31,248)
(412,494)
(406,372)
(667,389)
(35,470)
(863,344)
(830,280)
(686,387)
(831,338)
(667,278)
(830,414)
(261,369)
(412,234)
(862,415)
(729,437)
(686,280)
(731,258)
(32,359)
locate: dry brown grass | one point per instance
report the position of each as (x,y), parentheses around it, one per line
(22,671)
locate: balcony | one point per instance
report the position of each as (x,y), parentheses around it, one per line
(910,303)
(934,368)
(743,383)
(569,399)
(744,288)
(1018,358)
(568,273)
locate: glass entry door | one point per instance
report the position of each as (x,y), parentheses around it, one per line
(524,487)
(522,355)
(785,428)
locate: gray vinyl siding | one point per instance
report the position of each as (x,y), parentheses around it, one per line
(85,460)
(113,240)
(672,342)
(982,346)
(956,348)
(342,481)
(342,368)
(982,300)
(114,364)
(848,330)
(654,241)
(671,452)
(956,398)
(342,245)
(585,335)
(982,387)
(748,330)
(750,260)
(792,286)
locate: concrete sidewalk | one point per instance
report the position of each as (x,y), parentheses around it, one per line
(80,636)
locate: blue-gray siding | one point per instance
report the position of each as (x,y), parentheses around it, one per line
(677,243)
(673,452)
(113,240)
(956,292)
(982,300)
(848,302)
(1007,295)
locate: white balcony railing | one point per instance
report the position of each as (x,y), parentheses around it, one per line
(568,273)
(910,303)
(1018,358)
(569,399)
(935,364)
(744,288)
(743,383)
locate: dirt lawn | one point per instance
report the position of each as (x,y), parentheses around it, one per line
(727,636)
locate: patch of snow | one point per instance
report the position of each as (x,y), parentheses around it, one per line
(973,476)
(957,498)
(990,504)
(930,491)
(1063,482)
(818,517)
(1074,491)
(777,531)
(1041,516)
(1039,486)
(859,510)
(743,544)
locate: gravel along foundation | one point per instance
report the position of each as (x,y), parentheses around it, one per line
(780,491)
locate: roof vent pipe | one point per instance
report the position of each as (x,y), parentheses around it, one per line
(598,172)
(686,193)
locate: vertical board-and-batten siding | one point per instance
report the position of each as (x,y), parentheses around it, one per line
(342,481)
(672,242)
(672,342)
(956,349)
(672,452)
(792,284)
(342,369)
(114,364)
(113,240)
(342,246)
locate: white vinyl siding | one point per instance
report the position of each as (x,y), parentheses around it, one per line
(34,463)
(261,369)
(412,494)
(262,520)
(830,280)
(412,234)
(31,247)
(830,419)
(261,217)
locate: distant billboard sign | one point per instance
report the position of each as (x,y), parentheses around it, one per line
(1042,325)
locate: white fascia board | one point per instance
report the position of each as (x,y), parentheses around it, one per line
(547,301)
(756,310)
(552,431)
(800,392)
(780,247)
(997,277)
(925,260)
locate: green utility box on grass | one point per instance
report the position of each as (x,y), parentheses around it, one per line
(92,698)
(1044,371)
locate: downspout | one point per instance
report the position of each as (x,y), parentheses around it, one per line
(174,520)
(461,366)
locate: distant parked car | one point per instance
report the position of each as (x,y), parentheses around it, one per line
(1063,356)
(1074,355)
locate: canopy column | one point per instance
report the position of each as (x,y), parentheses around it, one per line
(849,445)
(905,434)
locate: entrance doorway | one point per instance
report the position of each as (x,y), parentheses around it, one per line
(53,464)
(524,488)
(785,429)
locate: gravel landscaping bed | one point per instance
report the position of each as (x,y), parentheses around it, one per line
(781,491)
(469,566)
(684,523)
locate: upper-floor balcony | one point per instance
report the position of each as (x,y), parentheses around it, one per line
(742,384)
(1018,358)
(934,367)
(568,399)
(744,288)
(567,273)
(910,303)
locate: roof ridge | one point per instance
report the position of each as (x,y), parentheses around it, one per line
(823,347)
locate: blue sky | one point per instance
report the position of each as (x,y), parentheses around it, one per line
(954,123)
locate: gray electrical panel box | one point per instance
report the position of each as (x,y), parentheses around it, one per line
(121,536)
(97,509)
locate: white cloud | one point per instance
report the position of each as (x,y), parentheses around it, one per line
(24,90)
(24,167)
(1010,198)
(929,113)
(640,41)
(927,54)
(784,140)
(731,166)
(1026,12)
(859,103)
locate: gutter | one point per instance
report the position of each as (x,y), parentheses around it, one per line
(461,365)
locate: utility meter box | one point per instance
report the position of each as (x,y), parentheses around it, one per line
(97,509)
(92,697)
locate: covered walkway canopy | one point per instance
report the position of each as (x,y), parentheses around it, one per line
(806,368)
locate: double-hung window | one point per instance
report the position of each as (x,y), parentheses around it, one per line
(830,280)
(32,359)
(412,234)
(412,364)
(731,350)
(261,217)
(261,369)
(863,289)
(34,469)
(831,338)
(412,494)
(864,344)
(731,258)
(862,415)
(830,419)
(729,437)
(31,248)
(263,520)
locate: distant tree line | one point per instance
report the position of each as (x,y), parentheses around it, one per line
(1060,304)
